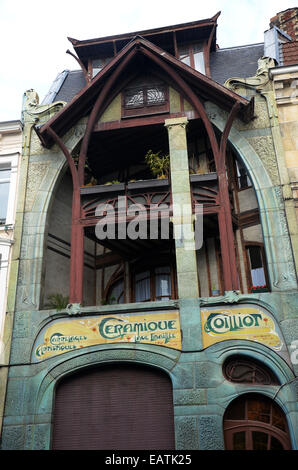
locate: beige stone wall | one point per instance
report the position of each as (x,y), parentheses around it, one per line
(285,84)
(286,94)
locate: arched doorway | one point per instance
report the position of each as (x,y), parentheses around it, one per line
(255,422)
(121,406)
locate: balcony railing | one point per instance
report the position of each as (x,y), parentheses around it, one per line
(148,195)
(151,195)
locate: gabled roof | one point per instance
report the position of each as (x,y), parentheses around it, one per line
(83,102)
(161,37)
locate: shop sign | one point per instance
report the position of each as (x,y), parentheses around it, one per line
(64,335)
(246,322)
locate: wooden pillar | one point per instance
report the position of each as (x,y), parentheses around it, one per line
(76,252)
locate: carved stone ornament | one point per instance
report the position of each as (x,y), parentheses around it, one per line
(73,309)
(32,109)
(31,99)
(259,81)
(230,297)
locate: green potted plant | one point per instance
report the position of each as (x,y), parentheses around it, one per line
(158,163)
(57,302)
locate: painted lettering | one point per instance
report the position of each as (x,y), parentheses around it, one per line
(113,328)
(219,323)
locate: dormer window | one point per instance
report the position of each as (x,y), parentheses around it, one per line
(145,97)
(99,64)
(193,55)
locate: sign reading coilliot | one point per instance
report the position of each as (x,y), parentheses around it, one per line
(66,335)
(246,322)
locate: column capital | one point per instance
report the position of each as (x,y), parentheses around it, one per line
(182,122)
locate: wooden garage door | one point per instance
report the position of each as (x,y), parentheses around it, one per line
(117,407)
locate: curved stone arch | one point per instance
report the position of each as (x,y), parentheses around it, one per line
(157,357)
(280,261)
(258,351)
(284,395)
(37,215)
(95,356)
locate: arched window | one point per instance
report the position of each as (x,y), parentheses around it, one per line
(255,422)
(240,369)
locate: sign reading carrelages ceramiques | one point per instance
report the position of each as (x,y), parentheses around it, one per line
(248,322)
(64,335)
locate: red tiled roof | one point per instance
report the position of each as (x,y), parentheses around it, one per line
(290,53)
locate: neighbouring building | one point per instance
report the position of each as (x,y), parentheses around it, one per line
(10,152)
(155,303)
(285,86)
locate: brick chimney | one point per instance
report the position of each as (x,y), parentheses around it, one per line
(287,21)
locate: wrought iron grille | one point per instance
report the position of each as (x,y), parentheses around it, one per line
(242,370)
(150,95)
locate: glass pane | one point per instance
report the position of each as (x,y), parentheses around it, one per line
(98,64)
(277,419)
(199,62)
(116,294)
(197,47)
(163,284)
(155,96)
(275,444)
(4,191)
(184,55)
(259,440)
(143,275)
(142,288)
(236,410)
(243,178)
(258,277)
(239,441)
(163,270)
(4,173)
(255,257)
(258,410)
(134,98)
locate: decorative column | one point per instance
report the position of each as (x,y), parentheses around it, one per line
(187,274)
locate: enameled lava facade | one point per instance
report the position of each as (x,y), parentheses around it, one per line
(156,296)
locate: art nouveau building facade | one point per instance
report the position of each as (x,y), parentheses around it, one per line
(157,288)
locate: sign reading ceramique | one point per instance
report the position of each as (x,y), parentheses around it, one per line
(66,335)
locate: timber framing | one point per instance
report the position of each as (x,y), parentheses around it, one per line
(93,100)
(84,101)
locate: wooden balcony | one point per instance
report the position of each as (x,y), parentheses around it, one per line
(150,194)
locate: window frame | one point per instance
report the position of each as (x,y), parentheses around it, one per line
(191,54)
(248,264)
(152,280)
(145,109)
(256,366)
(233,426)
(10,162)
(5,181)
(236,164)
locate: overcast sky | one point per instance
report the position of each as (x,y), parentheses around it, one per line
(33,33)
